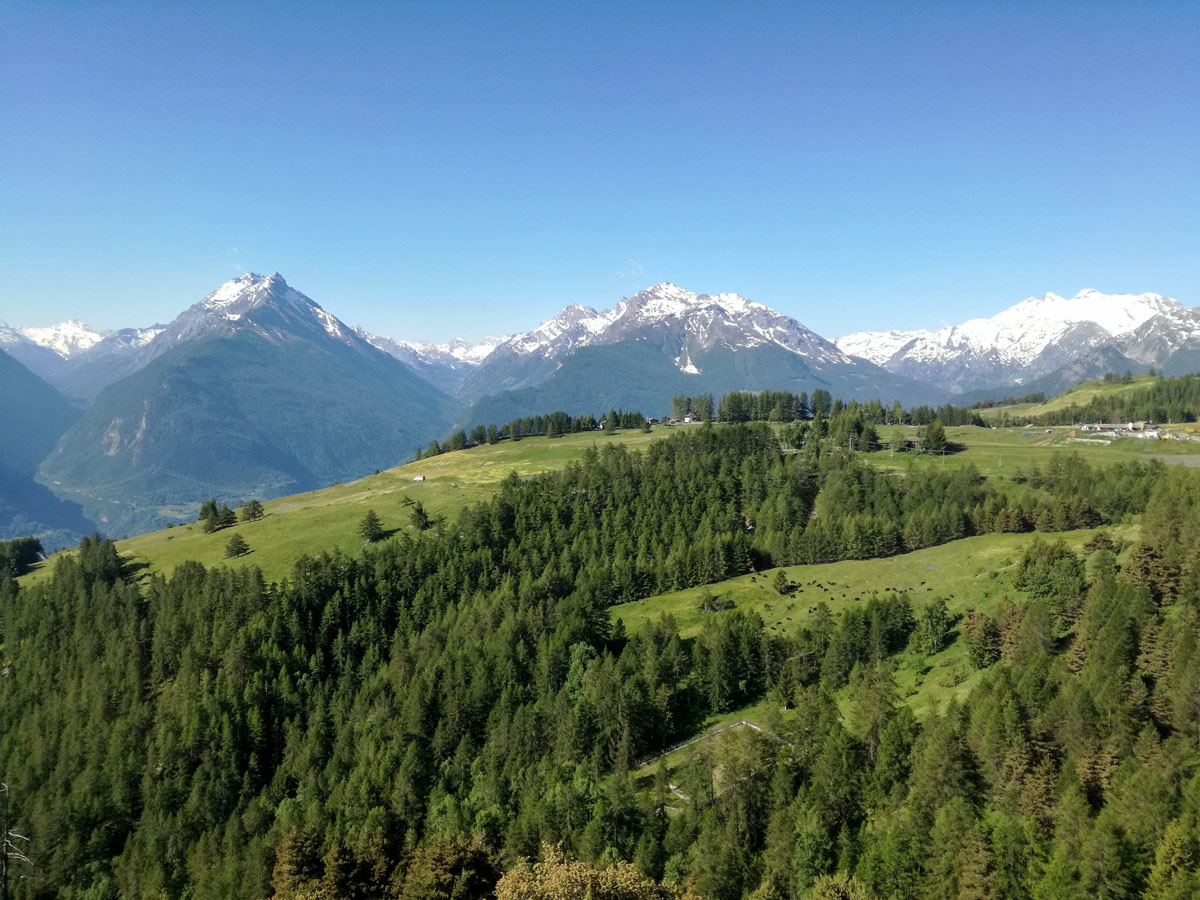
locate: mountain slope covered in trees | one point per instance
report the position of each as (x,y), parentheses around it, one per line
(424,714)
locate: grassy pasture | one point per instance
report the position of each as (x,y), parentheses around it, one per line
(975,573)
(1001,451)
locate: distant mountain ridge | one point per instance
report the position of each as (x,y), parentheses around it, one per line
(444,365)
(1035,339)
(665,340)
(1045,340)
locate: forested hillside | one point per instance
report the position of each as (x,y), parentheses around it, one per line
(1155,400)
(410,721)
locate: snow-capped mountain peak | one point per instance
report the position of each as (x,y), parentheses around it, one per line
(65,338)
(235,297)
(707,319)
(266,304)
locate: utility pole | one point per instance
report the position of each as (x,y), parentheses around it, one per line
(8,850)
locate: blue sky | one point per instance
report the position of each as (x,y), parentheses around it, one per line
(429,170)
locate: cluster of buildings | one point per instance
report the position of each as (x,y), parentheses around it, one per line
(1147,431)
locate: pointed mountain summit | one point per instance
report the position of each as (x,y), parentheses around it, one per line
(264,304)
(259,303)
(254,392)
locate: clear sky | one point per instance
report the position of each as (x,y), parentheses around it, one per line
(437,169)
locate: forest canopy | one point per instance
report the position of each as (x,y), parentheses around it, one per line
(414,720)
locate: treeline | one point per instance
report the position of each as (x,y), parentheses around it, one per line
(18,556)
(735,408)
(553,424)
(739,407)
(1035,397)
(1165,400)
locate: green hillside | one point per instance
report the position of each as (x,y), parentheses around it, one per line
(972,574)
(362,722)
(1001,451)
(1079,395)
(327,519)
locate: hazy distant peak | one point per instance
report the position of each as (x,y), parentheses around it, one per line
(66,338)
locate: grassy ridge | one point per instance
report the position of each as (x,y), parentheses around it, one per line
(1080,395)
(975,573)
(326,519)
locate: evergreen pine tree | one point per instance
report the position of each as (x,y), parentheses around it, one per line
(236,546)
(933,437)
(420,518)
(252,511)
(370,529)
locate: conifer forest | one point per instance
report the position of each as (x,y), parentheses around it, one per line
(453,712)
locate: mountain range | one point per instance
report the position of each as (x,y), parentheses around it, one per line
(257,391)
(1049,342)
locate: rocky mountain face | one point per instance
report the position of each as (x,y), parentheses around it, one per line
(41,361)
(34,416)
(445,366)
(65,338)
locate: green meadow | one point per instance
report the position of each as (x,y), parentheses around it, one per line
(973,574)
(1001,451)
